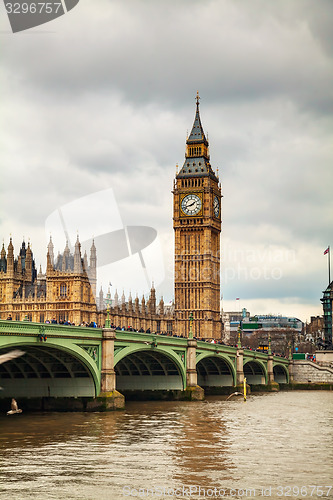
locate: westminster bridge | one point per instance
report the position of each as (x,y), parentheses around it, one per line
(94,366)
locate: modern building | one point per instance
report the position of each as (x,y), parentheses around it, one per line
(270,322)
(232,321)
(327,301)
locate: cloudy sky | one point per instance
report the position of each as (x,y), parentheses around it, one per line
(95,110)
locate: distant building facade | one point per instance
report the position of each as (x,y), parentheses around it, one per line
(315,329)
(270,322)
(232,321)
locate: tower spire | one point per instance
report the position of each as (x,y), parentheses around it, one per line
(197,159)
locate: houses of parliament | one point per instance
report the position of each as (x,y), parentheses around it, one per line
(66,292)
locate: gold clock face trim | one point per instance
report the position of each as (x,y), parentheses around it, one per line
(191,205)
(216,207)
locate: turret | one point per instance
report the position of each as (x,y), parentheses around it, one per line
(101,299)
(10,258)
(3,260)
(50,255)
(137,306)
(116,299)
(161,307)
(77,257)
(85,262)
(143,305)
(28,264)
(19,265)
(152,301)
(93,257)
(92,268)
(65,258)
(130,304)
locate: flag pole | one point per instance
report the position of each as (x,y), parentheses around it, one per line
(329,265)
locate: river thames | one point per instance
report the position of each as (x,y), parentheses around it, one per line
(275,445)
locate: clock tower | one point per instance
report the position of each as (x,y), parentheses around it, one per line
(197,225)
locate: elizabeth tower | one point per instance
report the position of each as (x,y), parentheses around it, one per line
(197,225)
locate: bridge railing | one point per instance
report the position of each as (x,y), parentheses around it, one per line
(31,328)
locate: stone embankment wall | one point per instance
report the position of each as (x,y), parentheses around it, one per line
(307,371)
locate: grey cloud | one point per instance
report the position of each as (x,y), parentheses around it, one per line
(106,99)
(217,48)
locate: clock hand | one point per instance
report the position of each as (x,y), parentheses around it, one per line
(191,204)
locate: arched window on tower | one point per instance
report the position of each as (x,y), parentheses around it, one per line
(63,290)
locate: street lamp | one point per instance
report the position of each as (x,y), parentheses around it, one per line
(190,335)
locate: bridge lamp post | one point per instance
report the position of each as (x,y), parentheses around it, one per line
(190,335)
(107,321)
(239,342)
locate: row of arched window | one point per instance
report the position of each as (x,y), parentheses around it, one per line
(195,150)
(192,182)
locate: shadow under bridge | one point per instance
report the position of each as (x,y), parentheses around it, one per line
(144,370)
(214,371)
(45,372)
(255,373)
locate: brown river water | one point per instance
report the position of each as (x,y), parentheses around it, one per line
(273,445)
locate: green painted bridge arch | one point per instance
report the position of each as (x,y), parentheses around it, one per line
(67,364)
(149,362)
(281,373)
(216,369)
(93,362)
(255,369)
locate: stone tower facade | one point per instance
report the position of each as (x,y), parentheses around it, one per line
(66,292)
(197,227)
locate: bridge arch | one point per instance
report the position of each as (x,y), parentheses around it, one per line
(281,373)
(215,370)
(255,372)
(48,369)
(140,368)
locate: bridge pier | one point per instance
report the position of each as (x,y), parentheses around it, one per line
(109,398)
(193,391)
(239,367)
(291,371)
(274,386)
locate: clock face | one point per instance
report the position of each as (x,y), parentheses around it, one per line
(191,204)
(216,207)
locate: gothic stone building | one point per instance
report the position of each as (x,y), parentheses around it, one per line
(65,293)
(139,315)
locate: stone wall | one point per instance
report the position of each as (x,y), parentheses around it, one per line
(307,371)
(325,358)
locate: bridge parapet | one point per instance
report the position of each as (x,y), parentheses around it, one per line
(29,328)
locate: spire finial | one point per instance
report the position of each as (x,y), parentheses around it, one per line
(197,98)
